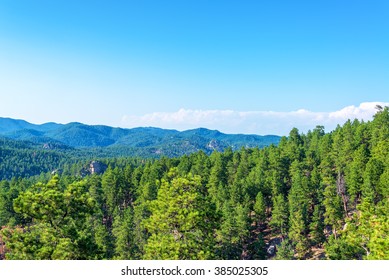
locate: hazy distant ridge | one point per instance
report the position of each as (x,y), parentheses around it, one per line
(161,140)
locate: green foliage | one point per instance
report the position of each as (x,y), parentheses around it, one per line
(340,249)
(260,208)
(181,224)
(48,147)
(58,228)
(354,174)
(298,212)
(317,227)
(279,219)
(25,159)
(285,251)
(9,192)
(38,242)
(315,190)
(297,234)
(124,235)
(368,231)
(51,204)
(258,248)
(233,232)
(333,214)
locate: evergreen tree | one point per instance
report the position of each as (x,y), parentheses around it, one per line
(181,222)
(260,208)
(258,248)
(317,227)
(279,219)
(123,233)
(233,233)
(340,249)
(333,215)
(218,180)
(354,174)
(319,189)
(285,251)
(59,229)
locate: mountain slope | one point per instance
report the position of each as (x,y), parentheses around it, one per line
(8,125)
(160,141)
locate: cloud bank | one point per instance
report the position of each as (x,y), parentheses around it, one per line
(253,122)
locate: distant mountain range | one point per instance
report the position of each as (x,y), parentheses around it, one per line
(156,141)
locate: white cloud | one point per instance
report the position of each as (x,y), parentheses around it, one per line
(255,122)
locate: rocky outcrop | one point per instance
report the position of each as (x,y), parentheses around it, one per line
(97,167)
(214,145)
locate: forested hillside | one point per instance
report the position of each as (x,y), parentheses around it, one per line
(145,141)
(313,196)
(28,150)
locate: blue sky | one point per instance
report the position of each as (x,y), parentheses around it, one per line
(185,64)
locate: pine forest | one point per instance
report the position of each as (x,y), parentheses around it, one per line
(313,195)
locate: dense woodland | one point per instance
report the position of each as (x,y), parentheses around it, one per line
(28,149)
(313,196)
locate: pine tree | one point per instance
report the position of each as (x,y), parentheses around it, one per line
(279,220)
(59,230)
(354,174)
(123,233)
(258,248)
(374,170)
(317,227)
(260,208)
(285,251)
(233,232)
(181,222)
(298,210)
(218,181)
(333,215)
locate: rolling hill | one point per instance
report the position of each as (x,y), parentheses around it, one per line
(154,140)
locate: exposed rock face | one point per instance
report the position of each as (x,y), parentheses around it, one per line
(56,171)
(214,145)
(271,247)
(271,250)
(47,146)
(97,167)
